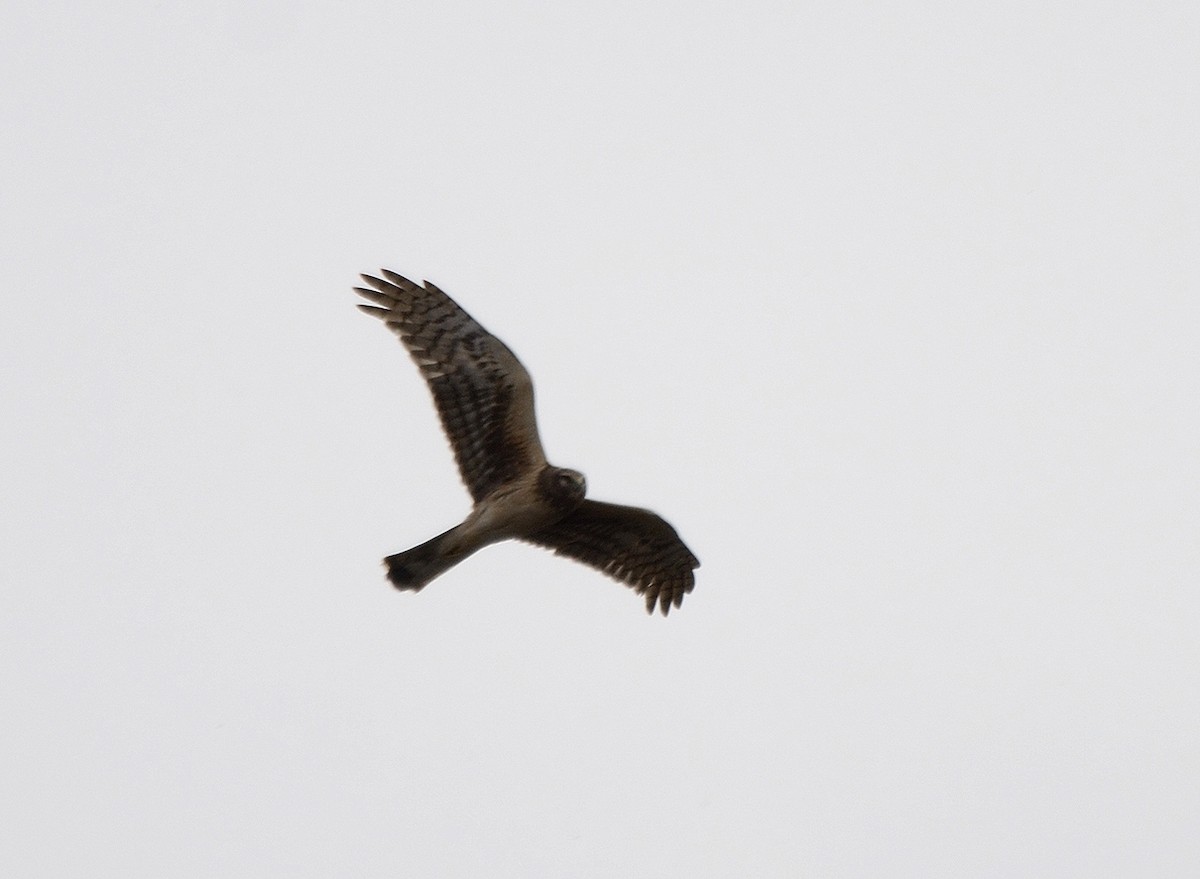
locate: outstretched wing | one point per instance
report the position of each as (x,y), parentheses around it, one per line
(634,546)
(483,394)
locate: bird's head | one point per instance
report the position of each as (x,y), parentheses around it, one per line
(563,486)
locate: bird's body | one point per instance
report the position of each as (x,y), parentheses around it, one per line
(484,397)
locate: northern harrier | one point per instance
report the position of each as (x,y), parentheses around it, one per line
(484,397)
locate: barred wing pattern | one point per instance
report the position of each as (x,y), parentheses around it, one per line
(484,396)
(637,547)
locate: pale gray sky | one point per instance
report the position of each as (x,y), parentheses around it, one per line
(890,308)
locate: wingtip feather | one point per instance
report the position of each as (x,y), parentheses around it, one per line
(398,279)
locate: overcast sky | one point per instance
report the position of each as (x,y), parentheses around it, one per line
(891,309)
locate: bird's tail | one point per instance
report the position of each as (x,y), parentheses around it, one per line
(414,568)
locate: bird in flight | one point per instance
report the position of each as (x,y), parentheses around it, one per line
(484,398)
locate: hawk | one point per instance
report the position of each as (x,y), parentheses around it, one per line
(484,398)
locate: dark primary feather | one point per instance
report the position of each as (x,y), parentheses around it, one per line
(484,396)
(635,546)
